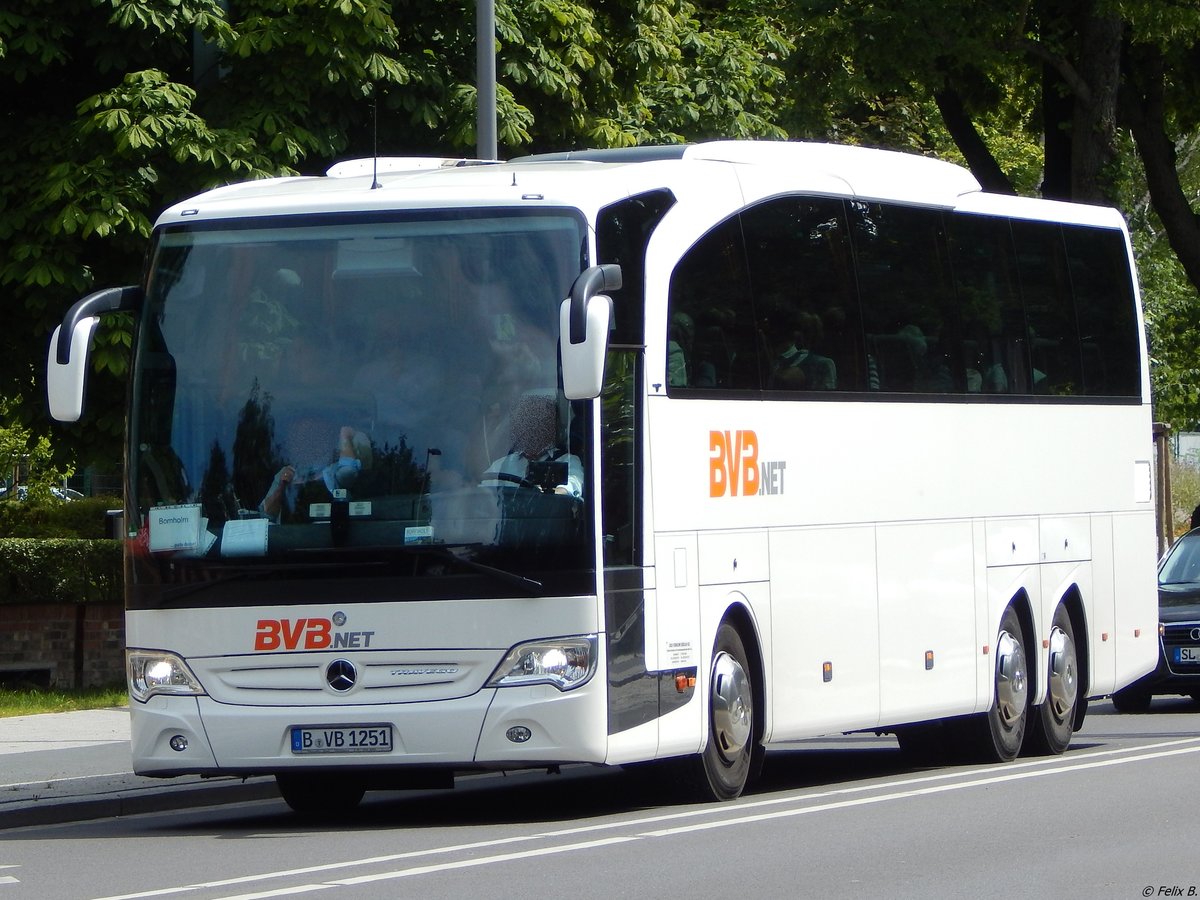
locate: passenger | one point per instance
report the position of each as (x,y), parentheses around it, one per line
(983,374)
(929,371)
(794,365)
(679,348)
(353,455)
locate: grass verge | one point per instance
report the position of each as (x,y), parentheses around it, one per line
(32,701)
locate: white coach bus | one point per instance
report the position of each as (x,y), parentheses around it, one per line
(821,439)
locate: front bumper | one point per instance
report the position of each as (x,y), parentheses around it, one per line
(463,733)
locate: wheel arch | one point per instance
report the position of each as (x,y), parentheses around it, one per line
(1023,607)
(739,616)
(1072,601)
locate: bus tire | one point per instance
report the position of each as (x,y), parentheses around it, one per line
(315,794)
(1054,722)
(1133,699)
(997,735)
(925,744)
(723,768)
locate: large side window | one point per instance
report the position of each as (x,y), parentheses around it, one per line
(1104,303)
(1049,309)
(995,350)
(712,341)
(801,273)
(814,294)
(913,333)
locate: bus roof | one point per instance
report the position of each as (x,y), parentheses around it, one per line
(589,179)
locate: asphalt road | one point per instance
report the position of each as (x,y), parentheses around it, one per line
(843,817)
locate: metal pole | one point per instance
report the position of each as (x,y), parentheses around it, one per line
(485,78)
(1165,506)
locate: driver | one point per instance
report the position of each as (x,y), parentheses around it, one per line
(534,451)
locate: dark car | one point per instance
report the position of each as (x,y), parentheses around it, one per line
(1178,670)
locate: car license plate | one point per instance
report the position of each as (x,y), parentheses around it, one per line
(342,739)
(1187,655)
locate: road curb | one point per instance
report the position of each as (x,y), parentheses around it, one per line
(136,800)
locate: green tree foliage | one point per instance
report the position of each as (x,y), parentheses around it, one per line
(113,109)
(1089,100)
(27,461)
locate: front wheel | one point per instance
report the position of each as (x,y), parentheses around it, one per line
(316,794)
(1055,720)
(723,769)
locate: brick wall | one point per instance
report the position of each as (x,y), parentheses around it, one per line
(74,644)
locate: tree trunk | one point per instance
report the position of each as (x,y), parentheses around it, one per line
(1093,138)
(1057,108)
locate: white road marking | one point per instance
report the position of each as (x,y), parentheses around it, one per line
(725,815)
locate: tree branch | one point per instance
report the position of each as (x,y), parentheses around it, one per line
(979,158)
(1071,78)
(1142,106)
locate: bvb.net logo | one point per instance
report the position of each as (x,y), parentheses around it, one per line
(734,468)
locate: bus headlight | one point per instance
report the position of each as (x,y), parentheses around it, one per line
(565,663)
(158,672)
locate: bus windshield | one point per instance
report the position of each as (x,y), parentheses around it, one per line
(358,396)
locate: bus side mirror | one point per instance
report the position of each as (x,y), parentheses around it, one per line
(584,320)
(65,381)
(67,357)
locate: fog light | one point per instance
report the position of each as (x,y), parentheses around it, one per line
(518,734)
(178,743)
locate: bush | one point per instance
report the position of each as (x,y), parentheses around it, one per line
(59,570)
(56,519)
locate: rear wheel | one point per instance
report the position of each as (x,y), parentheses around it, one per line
(997,735)
(1055,719)
(316,794)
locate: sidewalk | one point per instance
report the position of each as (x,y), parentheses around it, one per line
(66,767)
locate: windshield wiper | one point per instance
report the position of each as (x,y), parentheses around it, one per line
(226,574)
(453,553)
(448,552)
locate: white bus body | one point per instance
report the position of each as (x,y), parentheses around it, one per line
(872,452)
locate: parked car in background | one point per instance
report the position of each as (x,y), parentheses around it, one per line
(1178,670)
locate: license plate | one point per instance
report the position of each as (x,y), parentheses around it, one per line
(342,739)
(1187,655)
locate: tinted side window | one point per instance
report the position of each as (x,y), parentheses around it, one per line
(712,341)
(801,273)
(1104,303)
(819,294)
(913,335)
(1049,309)
(995,350)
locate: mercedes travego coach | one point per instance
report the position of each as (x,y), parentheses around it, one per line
(662,455)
